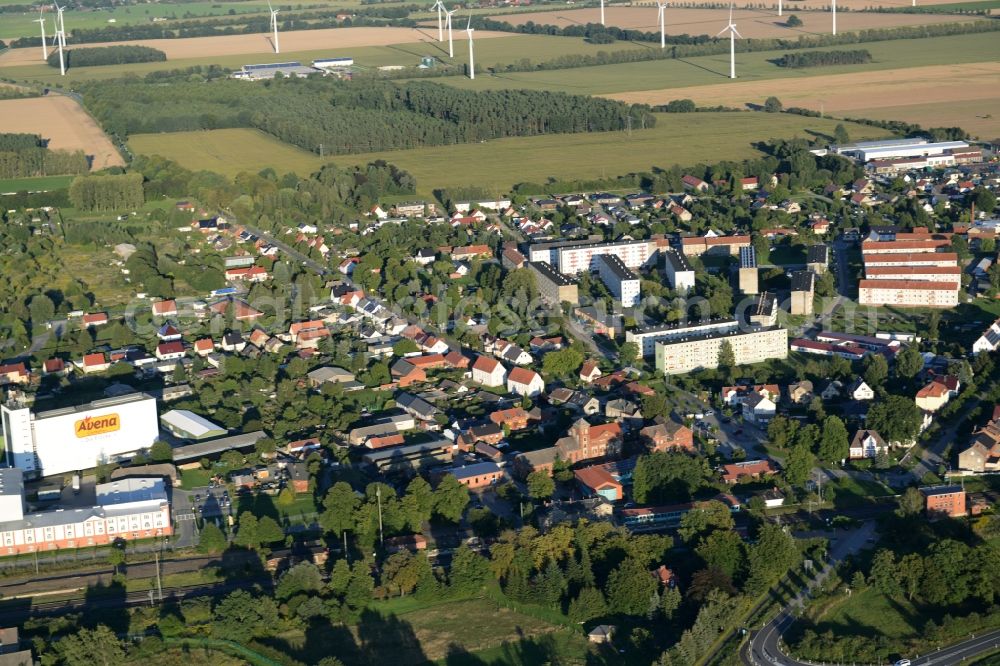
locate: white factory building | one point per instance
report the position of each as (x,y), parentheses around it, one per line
(76,438)
(866,151)
(125,509)
(620,281)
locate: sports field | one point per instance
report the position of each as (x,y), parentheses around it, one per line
(64,123)
(39,184)
(707,21)
(260,44)
(941,95)
(677,139)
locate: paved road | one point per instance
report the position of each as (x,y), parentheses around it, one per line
(287,249)
(764,646)
(932,454)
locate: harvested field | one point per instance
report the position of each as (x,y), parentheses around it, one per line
(64,123)
(949,95)
(750,22)
(260,44)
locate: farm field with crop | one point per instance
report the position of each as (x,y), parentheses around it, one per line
(676,139)
(64,123)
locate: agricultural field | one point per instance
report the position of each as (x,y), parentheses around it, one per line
(38,184)
(298,40)
(677,139)
(966,96)
(662,78)
(490,52)
(750,22)
(64,123)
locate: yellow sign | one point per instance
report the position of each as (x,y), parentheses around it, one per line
(97,425)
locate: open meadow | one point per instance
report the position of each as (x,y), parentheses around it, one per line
(64,123)
(708,21)
(683,139)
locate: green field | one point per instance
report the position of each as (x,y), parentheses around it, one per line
(39,184)
(677,139)
(704,70)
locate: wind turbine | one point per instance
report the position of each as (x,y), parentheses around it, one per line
(602,12)
(733,34)
(661,8)
(41,21)
(833,6)
(60,37)
(472,64)
(779,7)
(274,25)
(451,44)
(439,6)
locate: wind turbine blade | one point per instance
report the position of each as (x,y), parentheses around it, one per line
(736,32)
(722,31)
(269,8)
(469,24)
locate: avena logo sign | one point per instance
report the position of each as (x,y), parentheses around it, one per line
(98,425)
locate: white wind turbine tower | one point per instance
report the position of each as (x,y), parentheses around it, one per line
(833,8)
(451,44)
(661,8)
(439,6)
(41,22)
(274,26)
(602,12)
(60,38)
(733,34)
(779,7)
(472,64)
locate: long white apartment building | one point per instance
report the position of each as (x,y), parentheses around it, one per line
(908,293)
(620,281)
(127,509)
(928,243)
(646,338)
(578,258)
(701,351)
(910,259)
(680,275)
(927,273)
(75,438)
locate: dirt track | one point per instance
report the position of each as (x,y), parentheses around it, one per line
(64,123)
(750,22)
(300,40)
(939,95)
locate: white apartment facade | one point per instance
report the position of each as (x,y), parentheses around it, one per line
(579,258)
(675,357)
(646,338)
(620,281)
(908,293)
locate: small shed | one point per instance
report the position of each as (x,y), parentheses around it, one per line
(602,633)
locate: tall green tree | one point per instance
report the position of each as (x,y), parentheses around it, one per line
(540,485)
(89,647)
(630,588)
(833,444)
(450,498)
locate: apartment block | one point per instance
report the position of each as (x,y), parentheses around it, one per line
(803,290)
(678,356)
(925,273)
(874,260)
(645,338)
(579,258)
(698,245)
(748,274)
(553,287)
(818,258)
(908,293)
(620,281)
(678,270)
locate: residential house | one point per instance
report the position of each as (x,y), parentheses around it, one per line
(867,444)
(329,375)
(585,441)
(406,374)
(596,480)
(168,333)
(204,346)
(94,319)
(937,393)
(477,475)
(416,406)
(747,470)
(514,418)
(233,342)
(859,390)
(758,408)
(832,390)
(95,362)
(165,308)
(525,383)
(944,502)
(735,396)
(14,373)
(694,183)
(589,371)
(488,372)
(667,436)
(170,351)
(53,366)
(800,393)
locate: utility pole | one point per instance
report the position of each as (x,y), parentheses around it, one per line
(378,495)
(159,584)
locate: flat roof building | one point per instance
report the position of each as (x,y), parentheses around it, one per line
(908,293)
(645,338)
(553,287)
(185,424)
(701,351)
(803,288)
(678,270)
(620,281)
(748,276)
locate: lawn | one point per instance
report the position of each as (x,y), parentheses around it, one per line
(850,492)
(703,70)
(677,139)
(787,254)
(39,184)
(195,478)
(450,631)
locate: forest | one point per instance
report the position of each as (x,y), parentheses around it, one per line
(354,117)
(107,193)
(824,58)
(107,55)
(25,155)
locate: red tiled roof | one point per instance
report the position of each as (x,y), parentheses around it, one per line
(522,376)
(485,364)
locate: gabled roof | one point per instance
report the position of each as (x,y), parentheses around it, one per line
(485,364)
(522,376)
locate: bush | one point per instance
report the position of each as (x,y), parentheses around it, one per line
(793,21)
(824,58)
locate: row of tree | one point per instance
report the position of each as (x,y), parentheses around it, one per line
(824,58)
(107,192)
(37,161)
(106,55)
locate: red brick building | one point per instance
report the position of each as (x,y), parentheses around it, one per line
(667,436)
(944,502)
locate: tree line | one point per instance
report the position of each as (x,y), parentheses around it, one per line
(354,117)
(824,58)
(25,155)
(107,55)
(107,192)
